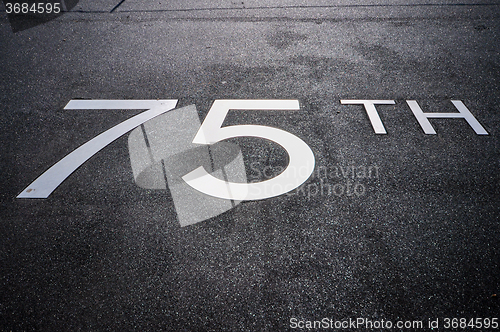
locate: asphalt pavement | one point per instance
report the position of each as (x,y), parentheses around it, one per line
(370,220)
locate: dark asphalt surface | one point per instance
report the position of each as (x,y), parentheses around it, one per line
(417,239)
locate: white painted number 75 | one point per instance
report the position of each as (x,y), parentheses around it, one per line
(301,158)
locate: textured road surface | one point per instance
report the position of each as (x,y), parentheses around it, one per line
(412,234)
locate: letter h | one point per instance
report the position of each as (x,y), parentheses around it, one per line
(463,113)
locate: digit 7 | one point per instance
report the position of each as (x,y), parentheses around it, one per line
(46,183)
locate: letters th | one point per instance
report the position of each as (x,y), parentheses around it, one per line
(422,118)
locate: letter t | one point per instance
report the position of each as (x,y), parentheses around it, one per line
(377,124)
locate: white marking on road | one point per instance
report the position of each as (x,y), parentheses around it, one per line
(44,185)
(377,124)
(464,113)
